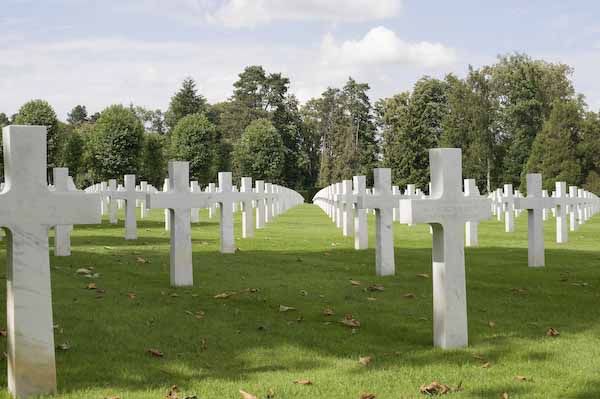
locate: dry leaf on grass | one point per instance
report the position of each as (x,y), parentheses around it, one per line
(355,282)
(552,332)
(155,352)
(436,388)
(131,295)
(350,321)
(423,275)
(303,382)
(410,295)
(91,286)
(491,324)
(283,308)
(370,298)
(376,287)
(3,333)
(521,378)
(65,346)
(365,360)
(367,395)
(504,395)
(246,395)
(486,365)
(328,312)
(139,259)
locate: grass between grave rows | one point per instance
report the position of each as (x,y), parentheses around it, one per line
(215,347)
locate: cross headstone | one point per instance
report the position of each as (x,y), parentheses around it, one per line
(358,225)
(561,201)
(28,209)
(120,202)
(508,204)
(260,204)
(143,207)
(212,208)
(446,210)
(534,203)
(247,219)
(499,208)
(471,226)
(195,212)
(225,198)
(112,204)
(573,201)
(104,203)
(165,188)
(177,201)
(130,195)
(545,211)
(396,210)
(62,232)
(268,203)
(382,201)
(347,213)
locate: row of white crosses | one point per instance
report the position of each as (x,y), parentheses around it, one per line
(180,200)
(29,207)
(578,203)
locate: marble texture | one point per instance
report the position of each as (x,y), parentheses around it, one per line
(212,208)
(573,203)
(534,203)
(508,204)
(346,206)
(225,199)
(143,208)
(195,212)
(247,217)
(268,203)
(446,210)
(27,210)
(112,205)
(382,201)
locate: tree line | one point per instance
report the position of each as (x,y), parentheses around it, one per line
(516,116)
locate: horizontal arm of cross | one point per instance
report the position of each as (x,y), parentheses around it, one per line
(535,202)
(436,210)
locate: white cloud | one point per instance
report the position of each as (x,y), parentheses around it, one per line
(382,46)
(252,13)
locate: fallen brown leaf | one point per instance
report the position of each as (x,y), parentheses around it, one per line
(410,295)
(436,388)
(350,321)
(492,324)
(355,282)
(367,395)
(3,333)
(283,308)
(246,395)
(521,378)
(303,382)
(139,259)
(423,275)
(370,298)
(155,352)
(504,395)
(376,287)
(91,286)
(328,312)
(486,365)
(131,295)
(552,332)
(365,361)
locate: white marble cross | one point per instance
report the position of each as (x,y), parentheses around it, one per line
(143,207)
(268,202)
(112,205)
(573,201)
(396,211)
(104,204)
(346,207)
(212,208)
(248,196)
(508,204)
(534,203)
(382,201)
(62,232)
(471,226)
(545,211)
(225,198)
(28,209)
(195,212)
(177,201)
(260,204)
(165,189)
(120,201)
(561,201)
(130,195)
(446,210)
(499,210)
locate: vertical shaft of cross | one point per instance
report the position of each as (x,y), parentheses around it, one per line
(361,232)
(247,220)
(471,226)
(225,189)
(112,205)
(62,232)
(260,204)
(181,238)
(195,212)
(130,208)
(561,212)
(347,216)
(384,253)
(535,224)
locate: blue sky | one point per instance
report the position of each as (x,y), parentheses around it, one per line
(119,51)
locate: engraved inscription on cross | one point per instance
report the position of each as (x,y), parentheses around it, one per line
(28,209)
(447,210)
(382,201)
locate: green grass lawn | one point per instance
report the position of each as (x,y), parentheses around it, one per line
(301,260)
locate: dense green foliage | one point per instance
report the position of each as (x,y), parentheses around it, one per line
(39,112)
(195,139)
(515,116)
(119,139)
(260,152)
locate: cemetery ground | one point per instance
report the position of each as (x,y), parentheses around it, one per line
(268,319)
